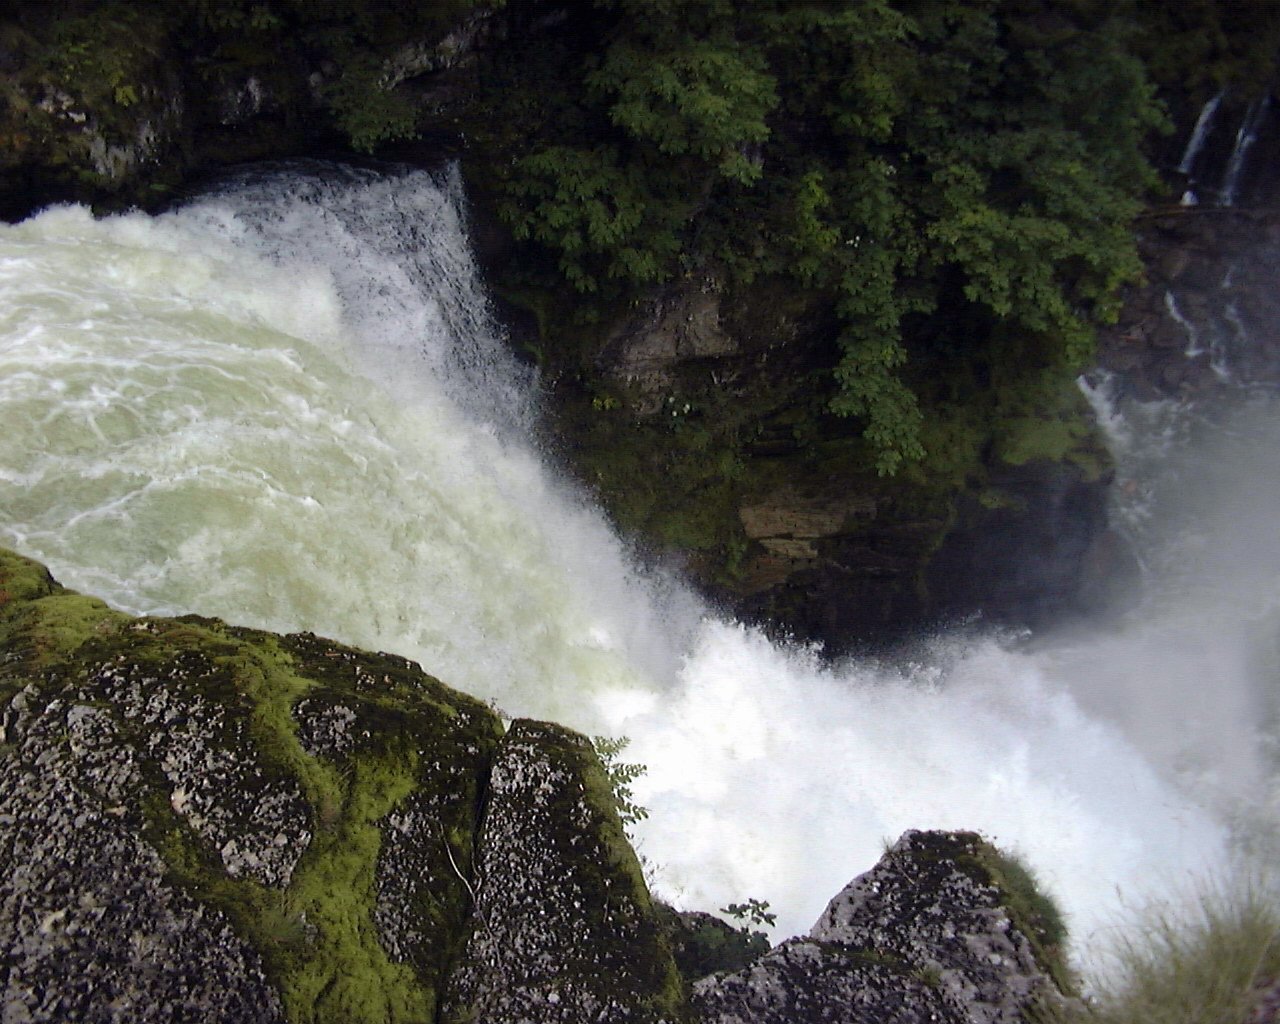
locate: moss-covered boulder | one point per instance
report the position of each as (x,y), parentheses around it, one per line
(243,826)
(563,929)
(201,822)
(943,930)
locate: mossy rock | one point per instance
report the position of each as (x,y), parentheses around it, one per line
(564,928)
(937,931)
(311,806)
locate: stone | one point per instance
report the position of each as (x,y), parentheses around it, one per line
(927,935)
(563,927)
(676,324)
(202,822)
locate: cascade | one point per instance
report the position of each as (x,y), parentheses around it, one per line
(1195,145)
(1203,125)
(286,404)
(1246,136)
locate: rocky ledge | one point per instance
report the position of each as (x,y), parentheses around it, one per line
(205,823)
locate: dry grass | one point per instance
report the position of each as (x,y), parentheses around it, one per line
(1202,965)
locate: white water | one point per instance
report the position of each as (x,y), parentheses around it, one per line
(287,407)
(1246,136)
(1199,133)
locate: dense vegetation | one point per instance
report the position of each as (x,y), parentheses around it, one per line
(957,177)
(951,174)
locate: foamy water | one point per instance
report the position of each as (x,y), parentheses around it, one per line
(288,406)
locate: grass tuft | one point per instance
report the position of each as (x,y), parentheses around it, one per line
(1205,964)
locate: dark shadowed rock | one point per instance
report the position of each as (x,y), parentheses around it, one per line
(703,944)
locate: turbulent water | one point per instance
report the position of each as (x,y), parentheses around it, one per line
(286,404)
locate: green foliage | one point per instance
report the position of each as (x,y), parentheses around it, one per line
(1201,46)
(699,97)
(903,158)
(871,389)
(703,944)
(353,40)
(222,16)
(754,911)
(620,775)
(595,210)
(102,58)
(367,111)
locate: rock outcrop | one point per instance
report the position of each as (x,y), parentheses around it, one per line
(925,936)
(562,928)
(1207,314)
(200,822)
(212,823)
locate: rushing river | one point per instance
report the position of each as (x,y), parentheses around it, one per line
(286,404)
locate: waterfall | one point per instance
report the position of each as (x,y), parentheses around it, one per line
(1246,136)
(1195,144)
(1204,123)
(287,404)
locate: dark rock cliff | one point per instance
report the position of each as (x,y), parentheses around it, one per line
(1207,317)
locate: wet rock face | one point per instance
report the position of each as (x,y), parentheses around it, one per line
(923,936)
(672,327)
(1029,561)
(1208,315)
(563,929)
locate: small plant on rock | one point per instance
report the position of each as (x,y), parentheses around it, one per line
(621,774)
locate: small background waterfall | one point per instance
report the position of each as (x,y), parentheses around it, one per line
(286,405)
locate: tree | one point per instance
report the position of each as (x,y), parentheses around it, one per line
(895,156)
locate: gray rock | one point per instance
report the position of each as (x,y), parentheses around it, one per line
(564,930)
(182,841)
(205,823)
(925,935)
(91,929)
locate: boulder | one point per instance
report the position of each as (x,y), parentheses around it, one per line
(208,823)
(204,822)
(933,933)
(563,929)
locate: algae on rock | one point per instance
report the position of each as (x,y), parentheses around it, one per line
(268,789)
(205,822)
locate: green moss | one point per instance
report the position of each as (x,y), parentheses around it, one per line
(600,794)
(318,936)
(347,976)
(1048,419)
(1032,910)
(22,579)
